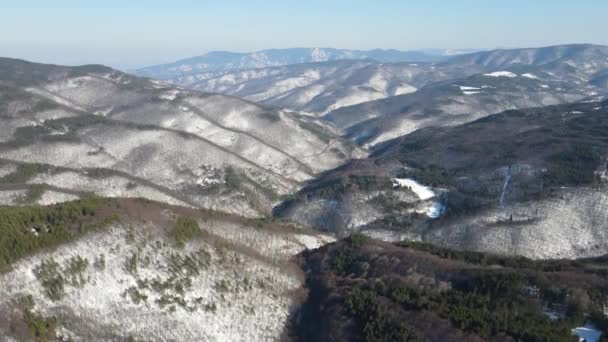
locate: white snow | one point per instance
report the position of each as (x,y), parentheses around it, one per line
(587,333)
(423,192)
(404,89)
(8,197)
(528,75)
(55,98)
(53,197)
(544,86)
(552,315)
(108,187)
(501,74)
(471,92)
(7,169)
(435,210)
(169,95)
(468,88)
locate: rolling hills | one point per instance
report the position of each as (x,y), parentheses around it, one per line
(485,83)
(94,129)
(374,99)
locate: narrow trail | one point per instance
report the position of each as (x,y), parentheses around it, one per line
(507,173)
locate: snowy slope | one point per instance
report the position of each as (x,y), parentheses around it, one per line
(457,101)
(181,142)
(236,278)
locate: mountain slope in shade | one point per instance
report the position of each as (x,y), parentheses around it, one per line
(362,289)
(141,135)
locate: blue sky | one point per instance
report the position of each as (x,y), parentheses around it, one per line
(131,33)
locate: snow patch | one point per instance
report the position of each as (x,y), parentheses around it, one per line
(501,74)
(7,169)
(587,333)
(531,76)
(169,95)
(423,192)
(435,210)
(54,197)
(468,88)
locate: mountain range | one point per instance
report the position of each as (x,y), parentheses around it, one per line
(373,101)
(94,129)
(307,194)
(228,61)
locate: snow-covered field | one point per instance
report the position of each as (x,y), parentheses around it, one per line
(424,193)
(501,74)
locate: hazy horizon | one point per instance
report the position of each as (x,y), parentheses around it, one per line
(130,35)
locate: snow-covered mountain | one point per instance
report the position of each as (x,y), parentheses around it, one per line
(326,87)
(482,83)
(456,101)
(102,131)
(586,58)
(317,87)
(230,61)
